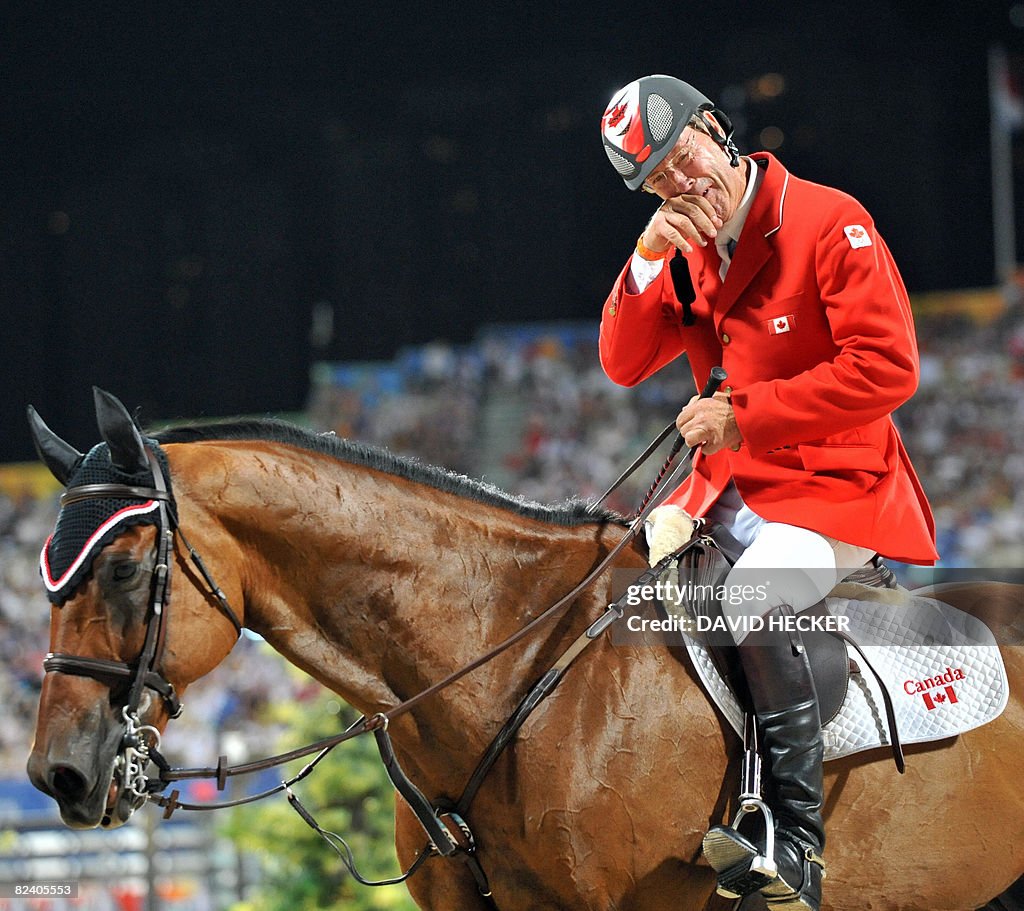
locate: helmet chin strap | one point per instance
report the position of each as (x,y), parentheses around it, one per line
(720,130)
(730,149)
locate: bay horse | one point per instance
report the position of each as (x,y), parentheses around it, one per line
(379,576)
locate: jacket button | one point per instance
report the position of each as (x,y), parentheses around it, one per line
(725,338)
(727,390)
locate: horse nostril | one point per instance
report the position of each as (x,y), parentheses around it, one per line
(66,782)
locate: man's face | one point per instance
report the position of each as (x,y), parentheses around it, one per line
(698,166)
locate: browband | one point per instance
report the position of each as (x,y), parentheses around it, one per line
(91,491)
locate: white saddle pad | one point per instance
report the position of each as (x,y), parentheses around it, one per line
(945,676)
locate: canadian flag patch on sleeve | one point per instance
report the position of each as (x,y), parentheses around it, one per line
(857,235)
(780,324)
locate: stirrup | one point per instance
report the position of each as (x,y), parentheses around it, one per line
(742,867)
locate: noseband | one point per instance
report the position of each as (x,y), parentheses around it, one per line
(143,673)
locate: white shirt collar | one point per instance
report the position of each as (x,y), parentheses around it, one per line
(732,229)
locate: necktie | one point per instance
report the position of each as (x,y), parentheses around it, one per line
(725,251)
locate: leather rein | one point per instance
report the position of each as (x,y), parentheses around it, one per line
(442,822)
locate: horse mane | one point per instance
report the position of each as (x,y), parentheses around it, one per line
(572,512)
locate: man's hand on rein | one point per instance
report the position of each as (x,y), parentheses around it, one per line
(710,422)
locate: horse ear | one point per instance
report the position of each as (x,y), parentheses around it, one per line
(60,457)
(127,450)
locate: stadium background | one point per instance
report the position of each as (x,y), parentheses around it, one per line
(399,225)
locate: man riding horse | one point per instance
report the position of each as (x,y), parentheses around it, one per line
(789,286)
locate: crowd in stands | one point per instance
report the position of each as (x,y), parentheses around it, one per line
(964,428)
(529,405)
(965,432)
(25,521)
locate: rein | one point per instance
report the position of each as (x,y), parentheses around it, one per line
(382,719)
(447,831)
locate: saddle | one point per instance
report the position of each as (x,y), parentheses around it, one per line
(932,671)
(705,561)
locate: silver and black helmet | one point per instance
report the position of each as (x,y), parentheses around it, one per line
(643,120)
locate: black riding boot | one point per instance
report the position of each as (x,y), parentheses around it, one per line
(786,706)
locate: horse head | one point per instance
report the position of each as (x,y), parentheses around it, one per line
(118,661)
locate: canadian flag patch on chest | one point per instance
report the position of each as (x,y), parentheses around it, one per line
(780,324)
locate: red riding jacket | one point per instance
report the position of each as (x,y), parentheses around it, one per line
(814,327)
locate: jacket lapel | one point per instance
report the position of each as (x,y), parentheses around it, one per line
(754,249)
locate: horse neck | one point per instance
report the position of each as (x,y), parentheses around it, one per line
(378,586)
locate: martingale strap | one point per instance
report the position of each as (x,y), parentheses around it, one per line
(547,683)
(436,831)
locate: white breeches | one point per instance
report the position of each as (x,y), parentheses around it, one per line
(794,566)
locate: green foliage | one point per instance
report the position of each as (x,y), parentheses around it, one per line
(347,793)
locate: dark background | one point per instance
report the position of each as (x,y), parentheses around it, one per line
(185,187)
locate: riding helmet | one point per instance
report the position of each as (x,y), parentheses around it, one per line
(643,120)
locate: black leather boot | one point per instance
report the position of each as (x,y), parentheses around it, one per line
(786,705)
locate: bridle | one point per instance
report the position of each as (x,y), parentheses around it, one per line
(144,673)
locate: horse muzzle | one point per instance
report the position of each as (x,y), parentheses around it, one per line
(98,787)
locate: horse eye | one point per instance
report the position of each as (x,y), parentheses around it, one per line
(124,571)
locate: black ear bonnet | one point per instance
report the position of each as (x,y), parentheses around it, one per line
(85,526)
